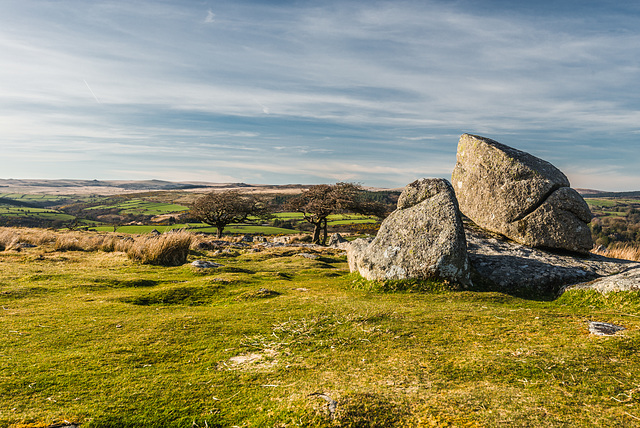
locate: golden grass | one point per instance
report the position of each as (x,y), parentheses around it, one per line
(78,241)
(621,251)
(12,237)
(168,249)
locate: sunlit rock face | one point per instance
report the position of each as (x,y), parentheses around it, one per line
(520,196)
(422,239)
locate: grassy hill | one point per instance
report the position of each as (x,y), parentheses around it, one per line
(95,338)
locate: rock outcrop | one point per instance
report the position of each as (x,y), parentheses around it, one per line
(510,266)
(422,239)
(628,280)
(520,196)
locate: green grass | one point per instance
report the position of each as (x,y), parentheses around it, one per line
(97,339)
(140,206)
(601,202)
(49,214)
(200,227)
(33,198)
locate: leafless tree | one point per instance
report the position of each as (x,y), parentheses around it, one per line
(220,209)
(320,201)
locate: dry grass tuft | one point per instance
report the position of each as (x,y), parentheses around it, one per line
(7,238)
(11,238)
(77,241)
(168,249)
(621,251)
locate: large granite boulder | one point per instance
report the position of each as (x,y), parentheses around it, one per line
(422,239)
(520,196)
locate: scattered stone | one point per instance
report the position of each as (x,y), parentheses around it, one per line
(512,266)
(261,293)
(205,264)
(302,289)
(154,232)
(603,328)
(308,256)
(25,245)
(336,239)
(424,238)
(246,238)
(281,239)
(520,196)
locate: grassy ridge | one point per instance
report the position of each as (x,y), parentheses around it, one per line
(95,338)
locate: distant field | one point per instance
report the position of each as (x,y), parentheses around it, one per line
(36,198)
(10,211)
(600,202)
(140,206)
(334,219)
(201,227)
(610,202)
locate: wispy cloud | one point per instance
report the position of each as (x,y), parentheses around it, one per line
(382,82)
(210,17)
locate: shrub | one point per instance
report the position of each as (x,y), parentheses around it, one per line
(168,249)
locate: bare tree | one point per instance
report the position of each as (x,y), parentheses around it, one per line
(320,201)
(220,209)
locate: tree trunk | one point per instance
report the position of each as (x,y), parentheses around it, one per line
(220,229)
(316,232)
(324,228)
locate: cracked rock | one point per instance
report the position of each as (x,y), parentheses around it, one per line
(520,196)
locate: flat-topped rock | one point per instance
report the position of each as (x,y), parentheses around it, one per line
(520,196)
(513,266)
(422,239)
(629,280)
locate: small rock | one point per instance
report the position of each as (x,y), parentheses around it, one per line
(205,264)
(603,328)
(336,239)
(308,256)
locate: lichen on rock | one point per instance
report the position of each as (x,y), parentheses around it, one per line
(422,239)
(520,196)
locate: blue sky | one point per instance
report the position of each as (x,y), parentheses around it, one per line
(275,92)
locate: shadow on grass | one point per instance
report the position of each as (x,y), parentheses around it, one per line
(188,296)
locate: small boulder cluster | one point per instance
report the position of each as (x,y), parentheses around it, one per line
(500,189)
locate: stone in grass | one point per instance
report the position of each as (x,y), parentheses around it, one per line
(336,240)
(308,256)
(205,264)
(423,239)
(603,328)
(261,293)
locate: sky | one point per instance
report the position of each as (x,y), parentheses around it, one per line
(309,92)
